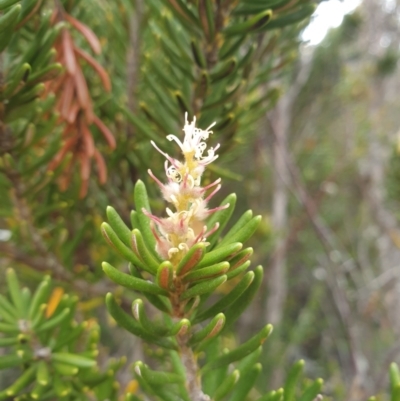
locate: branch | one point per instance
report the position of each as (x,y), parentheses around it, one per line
(329,244)
(188,359)
(135,20)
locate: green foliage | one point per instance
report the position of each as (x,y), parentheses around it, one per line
(56,355)
(217,60)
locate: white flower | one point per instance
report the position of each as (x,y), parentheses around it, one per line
(192,145)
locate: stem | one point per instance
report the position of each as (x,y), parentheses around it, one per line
(188,359)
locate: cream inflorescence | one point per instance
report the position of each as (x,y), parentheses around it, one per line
(184,226)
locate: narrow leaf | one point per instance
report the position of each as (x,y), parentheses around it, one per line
(226,300)
(240,352)
(203,288)
(209,331)
(206,272)
(219,255)
(236,309)
(246,382)
(192,259)
(227,385)
(292,379)
(130,282)
(142,202)
(118,225)
(130,324)
(244,233)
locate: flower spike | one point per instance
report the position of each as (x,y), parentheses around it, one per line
(184,225)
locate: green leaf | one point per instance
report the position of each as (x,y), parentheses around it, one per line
(241,258)
(206,273)
(39,316)
(221,217)
(192,259)
(72,335)
(311,392)
(243,220)
(46,74)
(54,321)
(197,55)
(165,275)
(143,252)
(5,341)
(150,327)
(10,19)
(272,396)
(250,360)
(246,382)
(9,328)
(206,16)
(78,361)
(300,14)
(252,24)
(38,391)
(65,369)
(211,330)
(7,311)
(292,379)
(134,219)
(141,126)
(394,374)
(211,380)
(7,3)
(42,374)
(227,96)
(21,74)
(226,300)
(394,381)
(130,282)
(203,288)
(237,270)
(219,255)
(156,378)
(396,393)
(247,58)
(118,225)
(227,385)
(182,10)
(244,233)
(142,202)
(230,46)
(182,102)
(15,291)
(130,324)
(26,95)
(223,69)
(61,387)
(240,352)
(24,380)
(236,308)
(245,8)
(160,303)
(181,328)
(112,238)
(10,361)
(24,111)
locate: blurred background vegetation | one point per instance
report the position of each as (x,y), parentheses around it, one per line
(309,139)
